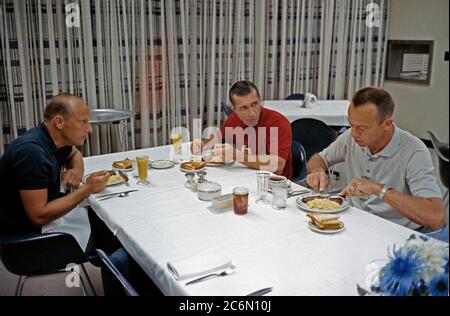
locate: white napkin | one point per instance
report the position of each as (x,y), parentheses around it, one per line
(76,223)
(198,266)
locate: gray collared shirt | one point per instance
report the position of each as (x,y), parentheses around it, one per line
(404,164)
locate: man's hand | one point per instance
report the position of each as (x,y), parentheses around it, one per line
(317,179)
(358,187)
(71,178)
(96,182)
(225,151)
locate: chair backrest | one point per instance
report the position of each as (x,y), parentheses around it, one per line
(226,109)
(442,150)
(314,135)
(298,162)
(39,254)
(107,263)
(296,96)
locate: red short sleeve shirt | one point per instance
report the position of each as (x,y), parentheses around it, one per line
(271,136)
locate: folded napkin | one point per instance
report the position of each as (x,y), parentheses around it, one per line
(198,266)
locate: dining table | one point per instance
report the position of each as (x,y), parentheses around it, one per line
(165,223)
(331,112)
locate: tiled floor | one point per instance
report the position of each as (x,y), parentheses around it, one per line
(56,285)
(53,285)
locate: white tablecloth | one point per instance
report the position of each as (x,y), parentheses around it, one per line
(165,222)
(332,112)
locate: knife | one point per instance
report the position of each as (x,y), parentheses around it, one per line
(115,193)
(124,176)
(261,292)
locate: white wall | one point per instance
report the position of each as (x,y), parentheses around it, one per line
(422,107)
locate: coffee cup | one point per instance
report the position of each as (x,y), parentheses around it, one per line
(277,181)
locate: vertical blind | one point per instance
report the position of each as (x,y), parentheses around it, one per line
(173,61)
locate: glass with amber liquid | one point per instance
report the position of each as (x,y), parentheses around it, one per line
(176,146)
(240,200)
(142,165)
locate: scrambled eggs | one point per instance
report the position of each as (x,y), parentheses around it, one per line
(323,204)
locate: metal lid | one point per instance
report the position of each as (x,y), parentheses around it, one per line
(104,116)
(209,186)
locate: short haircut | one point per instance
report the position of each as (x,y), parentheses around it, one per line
(242,88)
(59,105)
(376,96)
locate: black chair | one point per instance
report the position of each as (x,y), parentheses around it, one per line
(442,150)
(37,255)
(112,269)
(313,135)
(226,109)
(298,162)
(296,96)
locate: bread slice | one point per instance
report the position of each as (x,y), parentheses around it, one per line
(325,221)
(322,218)
(123,164)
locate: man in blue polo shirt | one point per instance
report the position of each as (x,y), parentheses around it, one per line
(32,193)
(38,167)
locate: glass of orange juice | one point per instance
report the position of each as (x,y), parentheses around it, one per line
(142,165)
(176,145)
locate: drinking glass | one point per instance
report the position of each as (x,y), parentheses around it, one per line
(279,197)
(176,146)
(240,200)
(262,178)
(142,164)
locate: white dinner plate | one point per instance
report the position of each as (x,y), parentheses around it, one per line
(304,207)
(108,185)
(220,164)
(124,170)
(328,231)
(161,164)
(192,171)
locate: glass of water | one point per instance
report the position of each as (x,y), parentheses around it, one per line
(279,197)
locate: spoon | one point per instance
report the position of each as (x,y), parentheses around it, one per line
(225,272)
(123,194)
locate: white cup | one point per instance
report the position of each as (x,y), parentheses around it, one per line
(277,181)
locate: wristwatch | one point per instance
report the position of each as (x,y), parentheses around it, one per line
(383,192)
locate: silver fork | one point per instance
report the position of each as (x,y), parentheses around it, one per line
(225,272)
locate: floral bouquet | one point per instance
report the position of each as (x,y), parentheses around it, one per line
(418,268)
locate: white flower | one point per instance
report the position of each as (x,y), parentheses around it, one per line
(434,253)
(373,272)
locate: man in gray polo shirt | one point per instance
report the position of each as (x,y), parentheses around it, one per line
(389,171)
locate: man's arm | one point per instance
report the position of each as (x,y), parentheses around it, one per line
(42,212)
(428,212)
(73,174)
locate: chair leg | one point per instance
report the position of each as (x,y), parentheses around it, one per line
(19,286)
(88,279)
(83,287)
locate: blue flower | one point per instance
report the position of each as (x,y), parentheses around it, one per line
(401,274)
(446,267)
(439,285)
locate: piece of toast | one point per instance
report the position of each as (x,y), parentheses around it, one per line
(325,221)
(123,164)
(193,165)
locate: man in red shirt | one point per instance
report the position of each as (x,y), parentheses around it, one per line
(257,137)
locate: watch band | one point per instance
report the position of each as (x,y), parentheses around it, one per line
(383,192)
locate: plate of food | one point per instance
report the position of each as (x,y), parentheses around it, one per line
(112,180)
(215,161)
(161,164)
(192,166)
(320,204)
(124,165)
(325,223)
